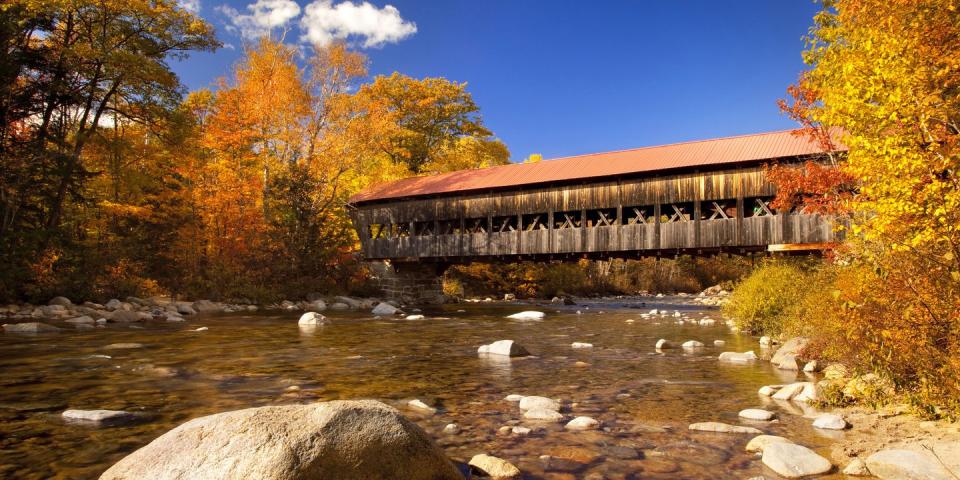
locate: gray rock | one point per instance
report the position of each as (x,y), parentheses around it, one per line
(503,347)
(206,306)
(830,421)
(897,464)
(339,439)
(29,327)
(758,443)
(692,344)
(736,357)
(385,309)
(794,461)
(791,347)
(494,467)
(113,304)
(582,423)
(350,301)
(757,414)
(316,306)
(787,392)
(718,427)
(527,315)
(312,318)
(533,401)
(543,414)
(185,309)
(61,301)
(124,316)
(102,417)
(789,362)
(339,306)
(82,320)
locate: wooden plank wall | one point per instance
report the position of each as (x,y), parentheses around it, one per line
(695,192)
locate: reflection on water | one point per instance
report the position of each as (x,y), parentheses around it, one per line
(644,399)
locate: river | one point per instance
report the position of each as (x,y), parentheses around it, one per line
(644,399)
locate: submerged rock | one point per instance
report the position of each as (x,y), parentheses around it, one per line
(736,357)
(423,407)
(339,439)
(794,461)
(543,414)
(756,414)
(692,344)
(533,401)
(722,428)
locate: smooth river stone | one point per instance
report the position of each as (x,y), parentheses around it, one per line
(533,401)
(527,315)
(897,464)
(787,392)
(829,421)
(758,443)
(582,423)
(507,348)
(722,428)
(756,414)
(543,414)
(99,416)
(494,467)
(794,461)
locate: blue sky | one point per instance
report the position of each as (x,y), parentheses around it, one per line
(560,77)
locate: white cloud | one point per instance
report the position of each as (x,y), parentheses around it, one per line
(192,6)
(324,22)
(264,16)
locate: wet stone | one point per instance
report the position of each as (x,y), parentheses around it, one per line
(695,453)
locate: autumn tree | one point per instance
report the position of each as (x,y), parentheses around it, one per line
(887,73)
(434,114)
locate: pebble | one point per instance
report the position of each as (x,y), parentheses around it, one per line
(451,429)
(201,329)
(513,397)
(417,404)
(415,317)
(582,423)
(794,461)
(757,414)
(581,345)
(719,343)
(494,467)
(829,421)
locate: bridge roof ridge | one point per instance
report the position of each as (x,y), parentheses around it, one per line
(745,148)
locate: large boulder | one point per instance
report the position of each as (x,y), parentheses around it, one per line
(339,439)
(897,464)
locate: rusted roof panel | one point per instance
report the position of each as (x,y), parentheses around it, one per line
(700,153)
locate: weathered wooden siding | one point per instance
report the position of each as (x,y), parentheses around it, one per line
(684,211)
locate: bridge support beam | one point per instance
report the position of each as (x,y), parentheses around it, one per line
(410,282)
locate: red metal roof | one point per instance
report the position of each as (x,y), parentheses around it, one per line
(719,151)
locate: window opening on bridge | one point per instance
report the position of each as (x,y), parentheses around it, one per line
(719,209)
(377,230)
(476,225)
(757,207)
(677,212)
(401,230)
(536,221)
(449,227)
(602,217)
(422,229)
(639,215)
(505,224)
(570,219)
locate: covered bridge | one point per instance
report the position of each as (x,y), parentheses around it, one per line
(695,197)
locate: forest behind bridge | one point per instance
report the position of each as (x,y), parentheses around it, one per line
(117,181)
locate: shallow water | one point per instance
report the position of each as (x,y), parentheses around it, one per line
(644,399)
